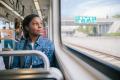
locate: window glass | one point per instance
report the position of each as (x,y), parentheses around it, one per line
(93,27)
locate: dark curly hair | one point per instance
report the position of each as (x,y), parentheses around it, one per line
(26,22)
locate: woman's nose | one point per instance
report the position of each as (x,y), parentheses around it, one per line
(39,26)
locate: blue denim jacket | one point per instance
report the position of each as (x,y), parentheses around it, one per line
(41,44)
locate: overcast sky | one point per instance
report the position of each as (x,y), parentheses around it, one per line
(98,8)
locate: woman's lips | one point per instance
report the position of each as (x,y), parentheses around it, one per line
(39,30)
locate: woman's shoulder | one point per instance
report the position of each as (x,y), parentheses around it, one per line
(20,44)
(21,41)
(45,40)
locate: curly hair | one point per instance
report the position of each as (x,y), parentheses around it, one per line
(26,22)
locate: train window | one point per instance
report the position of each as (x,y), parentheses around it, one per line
(92,27)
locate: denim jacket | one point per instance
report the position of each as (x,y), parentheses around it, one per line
(41,44)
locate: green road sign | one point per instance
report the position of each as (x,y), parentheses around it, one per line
(85,19)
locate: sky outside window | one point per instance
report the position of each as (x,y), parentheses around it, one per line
(98,8)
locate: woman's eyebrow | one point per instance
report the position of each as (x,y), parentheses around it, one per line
(35,22)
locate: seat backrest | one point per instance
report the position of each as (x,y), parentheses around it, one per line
(31,74)
(26,53)
(46,73)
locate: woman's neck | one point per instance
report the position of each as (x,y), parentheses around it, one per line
(33,38)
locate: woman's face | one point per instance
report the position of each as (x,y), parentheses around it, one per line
(35,26)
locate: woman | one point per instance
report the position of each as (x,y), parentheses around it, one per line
(32,40)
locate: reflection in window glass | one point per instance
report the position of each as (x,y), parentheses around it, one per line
(92,26)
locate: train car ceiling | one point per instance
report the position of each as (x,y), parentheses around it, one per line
(11,9)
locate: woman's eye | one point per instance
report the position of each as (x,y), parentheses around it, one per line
(35,24)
